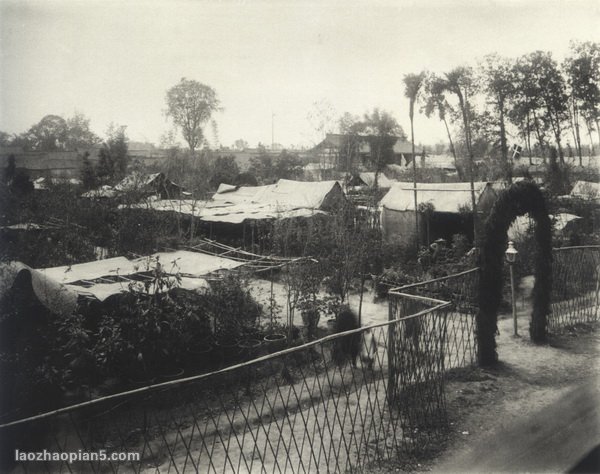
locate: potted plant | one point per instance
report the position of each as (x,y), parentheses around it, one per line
(276,338)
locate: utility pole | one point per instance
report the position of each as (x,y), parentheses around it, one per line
(272,131)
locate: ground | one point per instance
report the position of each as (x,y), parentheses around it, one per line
(529,391)
(533,385)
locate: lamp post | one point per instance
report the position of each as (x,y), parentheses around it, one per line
(511,257)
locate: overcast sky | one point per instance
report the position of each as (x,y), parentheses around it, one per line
(113,61)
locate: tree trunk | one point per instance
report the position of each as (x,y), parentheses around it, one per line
(452,149)
(539,137)
(589,129)
(528,138)
(503,145)
(577,135)
(462,103)
(412,139)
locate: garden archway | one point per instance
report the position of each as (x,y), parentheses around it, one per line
(520,199)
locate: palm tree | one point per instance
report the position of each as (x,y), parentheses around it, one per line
(436,89)
(412,84)
(459,81)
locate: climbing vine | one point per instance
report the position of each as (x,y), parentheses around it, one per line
(521,198)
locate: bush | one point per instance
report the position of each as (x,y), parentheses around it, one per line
(233,309)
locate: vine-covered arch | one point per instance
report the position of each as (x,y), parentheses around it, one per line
(521,198)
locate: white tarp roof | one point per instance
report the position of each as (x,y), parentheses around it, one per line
(445,197)
(58,298)
(104,191)
(102,291)
(187,263)
(286,194)
(521,224)
(586,190)
(190,266)
(382,180)
(285,199)
(110,267)
(243,194)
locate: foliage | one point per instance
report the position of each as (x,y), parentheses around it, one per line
(557,176)
(232,308)
(224,170)
(113,155)
(190,105)
(89,179)
(263,167)
(436,101)
(352,129)
(50,134)
(521,198)
(288,166)
(382,131)
(54,133)
(497,82)
(79,134)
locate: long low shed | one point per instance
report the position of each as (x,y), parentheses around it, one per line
(449,207)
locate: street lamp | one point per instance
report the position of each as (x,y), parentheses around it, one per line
(511,257)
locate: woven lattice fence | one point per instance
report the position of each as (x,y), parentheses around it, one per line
(460,291)
(327,406)
(575,287)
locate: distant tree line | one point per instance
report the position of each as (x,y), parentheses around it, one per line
(531,101)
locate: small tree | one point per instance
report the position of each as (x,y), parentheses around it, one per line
(113,154)
(190,105)
(382,131)
(88,174)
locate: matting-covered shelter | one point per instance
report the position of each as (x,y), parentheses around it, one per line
(448,208)
(58,288)
(243,215)
(586,190)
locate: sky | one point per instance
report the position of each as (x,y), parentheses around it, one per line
(270,62)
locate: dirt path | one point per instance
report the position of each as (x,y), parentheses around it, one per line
(538,411)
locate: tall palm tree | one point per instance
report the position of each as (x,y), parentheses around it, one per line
(459,81)
(412,84)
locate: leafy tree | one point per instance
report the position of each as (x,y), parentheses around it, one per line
(459,81)
(190,105)
(79,135)
(113,154)
(10,170)
(382,131)
(5,139)
(288,166)
(240,144)
(88,174)
(352,129)
(263,166)
(497,83)
(582,70)
(245,179)
(435,100)
(225,170)
(550,86)
(50,134)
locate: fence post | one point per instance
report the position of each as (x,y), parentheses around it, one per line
(391,350)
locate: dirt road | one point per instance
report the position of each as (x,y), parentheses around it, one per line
(538,411)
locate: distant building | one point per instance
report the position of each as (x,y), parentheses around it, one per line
(143,185)
(54,164)
(330,150)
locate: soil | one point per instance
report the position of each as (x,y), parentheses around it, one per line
(529,378)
